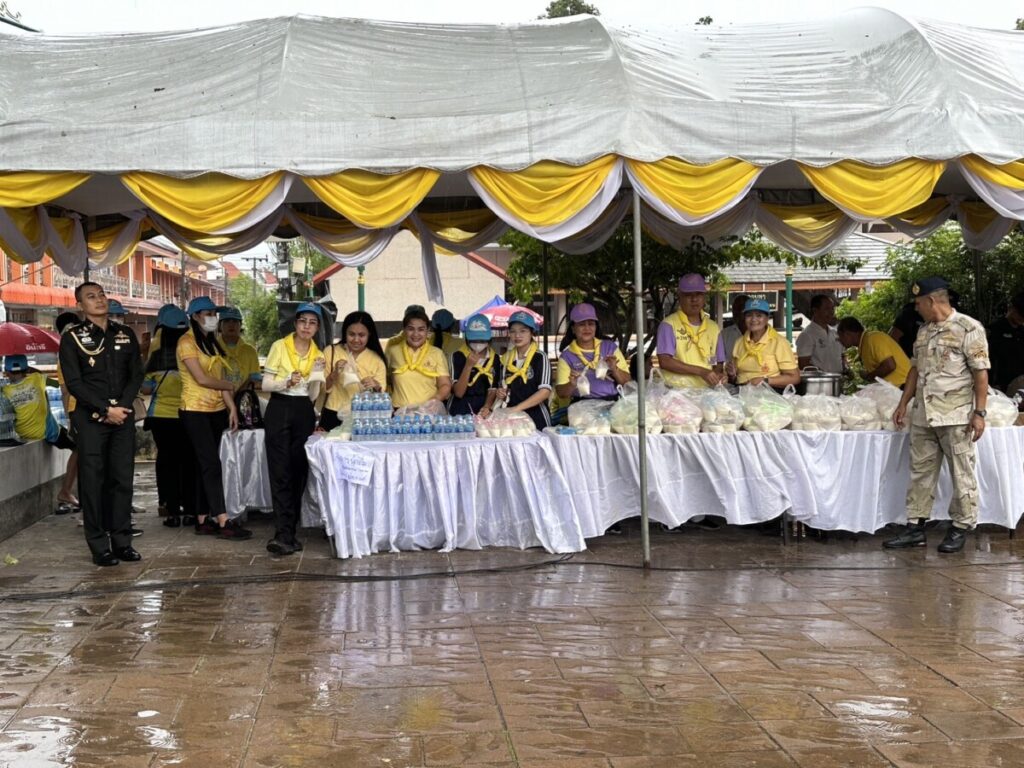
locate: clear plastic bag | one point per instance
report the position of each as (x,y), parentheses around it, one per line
(505,423)
(591,417)
(679,414)
(624,413)
(1002,411)
(816,413)
(720,411)
(886,398)
(859,414)
(766,410)
(429,408)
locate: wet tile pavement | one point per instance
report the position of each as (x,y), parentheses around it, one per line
(742,652)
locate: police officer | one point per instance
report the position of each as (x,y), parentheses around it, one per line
(102,368)
(949,383)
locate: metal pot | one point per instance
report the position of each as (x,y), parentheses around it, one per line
(814,381)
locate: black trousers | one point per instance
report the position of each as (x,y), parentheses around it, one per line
(175,470)
(287,424)
(106,471)
(204,431)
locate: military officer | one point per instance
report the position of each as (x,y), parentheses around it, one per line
(102,369)
(948,380)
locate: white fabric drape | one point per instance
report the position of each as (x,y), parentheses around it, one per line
(1008,203)
(796,241)
(379,240)
(593,237)
(736,222)
(989,237)
(917,232)
(243,457)
(682,218)
(571,226)
(428,250)
(236,242)
(125,241)
(70,257)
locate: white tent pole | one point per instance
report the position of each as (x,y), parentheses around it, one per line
(641,378)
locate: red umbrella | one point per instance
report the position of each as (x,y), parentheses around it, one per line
(498,312)
(19,339)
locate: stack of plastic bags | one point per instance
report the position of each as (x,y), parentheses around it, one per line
(816,413)
(679,412)
(505,423)
(859,414)
(624,413)
(721,412)
(765,409)
(1002,411)
(591,417)
(886,398)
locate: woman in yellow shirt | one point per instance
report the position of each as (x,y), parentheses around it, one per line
(207,409)
(356,364)
(761,354)
(174,477)
(418,371)
(293,374)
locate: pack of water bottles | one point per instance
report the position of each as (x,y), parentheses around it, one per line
(414,427)
(371,405)
(56,404)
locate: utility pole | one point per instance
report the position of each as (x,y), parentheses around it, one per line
(256,261)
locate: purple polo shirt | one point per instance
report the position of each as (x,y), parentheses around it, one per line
(667,342)
(598,387)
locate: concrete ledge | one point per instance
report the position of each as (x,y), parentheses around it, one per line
(30,477)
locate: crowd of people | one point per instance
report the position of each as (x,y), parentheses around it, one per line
(201,378)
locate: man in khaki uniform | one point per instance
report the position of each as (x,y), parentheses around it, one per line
(949,376)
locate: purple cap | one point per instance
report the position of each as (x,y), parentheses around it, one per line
(692,283)
(583,312)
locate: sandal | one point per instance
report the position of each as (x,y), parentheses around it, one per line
(66,508)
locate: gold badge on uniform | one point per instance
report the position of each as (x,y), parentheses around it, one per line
(915,289)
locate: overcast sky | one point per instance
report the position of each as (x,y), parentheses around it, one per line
(71,17)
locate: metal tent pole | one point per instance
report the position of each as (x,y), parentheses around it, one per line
(544,290)
(641,379)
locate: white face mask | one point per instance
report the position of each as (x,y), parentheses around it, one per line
(210,324)
(478,346)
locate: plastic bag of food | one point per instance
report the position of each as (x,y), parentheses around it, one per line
(886,398)
(816,413)
(505,423)
(766,410)
(591,417)
(679,414)
(624,414)
(859,414)
(720,411)
(1002,411)
(429,408)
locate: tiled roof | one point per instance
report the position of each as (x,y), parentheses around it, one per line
(866,248)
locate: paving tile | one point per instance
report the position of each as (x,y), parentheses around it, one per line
(972,754)
(478,748)
(604,742)
(983,726)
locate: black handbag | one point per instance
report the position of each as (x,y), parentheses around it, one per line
(250,414)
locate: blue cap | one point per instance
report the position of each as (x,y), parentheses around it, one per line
(928,285)
(757,305)
(478,328)
(171,316)
(200,304)
(115,307)
(442,319)
(523,318)
(308,308)
(15,364)
(230,313)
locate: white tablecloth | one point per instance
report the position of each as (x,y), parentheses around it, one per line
(466,494)
(853,481)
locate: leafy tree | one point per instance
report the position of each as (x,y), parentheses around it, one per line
(705,21)
(259,311)
(605,277)
(6,11)
(559,8)
(944,254)
(315,262)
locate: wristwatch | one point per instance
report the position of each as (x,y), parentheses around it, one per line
(980,412)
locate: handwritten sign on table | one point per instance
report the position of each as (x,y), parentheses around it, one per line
(355,467)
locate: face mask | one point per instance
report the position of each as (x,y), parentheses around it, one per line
(478,346)
(210,324)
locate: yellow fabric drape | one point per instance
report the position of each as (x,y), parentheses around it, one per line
(372,200)
(455,227)
(696,190)
(25,189)
(207,203)
(103,239)
(1010,175)
(977,216)
(337,235)
(876,192)
(816,223)
(27,222)
(923,215)
(547,193)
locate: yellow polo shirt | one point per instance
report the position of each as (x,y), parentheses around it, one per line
(697,352)
(768,357)
(368,365)
(875,347)
(31,407)
(195,397)
(413,387)
(243,362)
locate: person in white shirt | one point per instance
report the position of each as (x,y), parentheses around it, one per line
(732,333)
(818,344)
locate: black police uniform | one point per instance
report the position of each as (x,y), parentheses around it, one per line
(103,368)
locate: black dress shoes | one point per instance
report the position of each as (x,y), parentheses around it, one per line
(128,554)
(105,559)
(913,536)
(954,541)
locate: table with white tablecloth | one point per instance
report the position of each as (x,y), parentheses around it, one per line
(453,494)
(852,481)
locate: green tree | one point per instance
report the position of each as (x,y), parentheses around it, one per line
(259,311)
(559,8)
(605,276)
(944,254)
(705,21)
(315,262)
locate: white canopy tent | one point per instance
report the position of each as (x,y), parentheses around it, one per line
(344,131)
